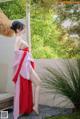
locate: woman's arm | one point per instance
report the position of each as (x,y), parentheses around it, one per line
(20,43)
(23,44)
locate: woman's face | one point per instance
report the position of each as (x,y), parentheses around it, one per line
(19,32)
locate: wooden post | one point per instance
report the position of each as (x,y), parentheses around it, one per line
(28,32)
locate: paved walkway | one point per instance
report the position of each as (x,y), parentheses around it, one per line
(45,111)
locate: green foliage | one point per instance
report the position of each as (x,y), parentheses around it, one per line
(65,83)
(14,9)
(72,12)
(48,38)
(47,33)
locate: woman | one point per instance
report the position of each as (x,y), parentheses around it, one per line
(24,75)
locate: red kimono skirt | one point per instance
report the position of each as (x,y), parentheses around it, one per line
(23,99)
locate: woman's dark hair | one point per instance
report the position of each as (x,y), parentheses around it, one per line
(16,25)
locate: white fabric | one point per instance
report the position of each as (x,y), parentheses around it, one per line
(16,99)
(25,72)
(25,69)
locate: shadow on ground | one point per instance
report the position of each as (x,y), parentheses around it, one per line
(44,112)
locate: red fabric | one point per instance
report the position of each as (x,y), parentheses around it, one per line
(32,63)
(26,97)
(19,68)
(26,49)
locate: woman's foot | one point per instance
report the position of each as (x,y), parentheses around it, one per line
(36,110)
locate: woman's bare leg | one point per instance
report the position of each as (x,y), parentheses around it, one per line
(37,83)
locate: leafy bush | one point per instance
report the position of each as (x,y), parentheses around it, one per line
(48,39)
(14,9)
(46,32)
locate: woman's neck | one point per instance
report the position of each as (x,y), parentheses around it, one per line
(17,34)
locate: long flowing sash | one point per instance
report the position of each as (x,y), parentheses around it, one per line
(16,80)
(19,66)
